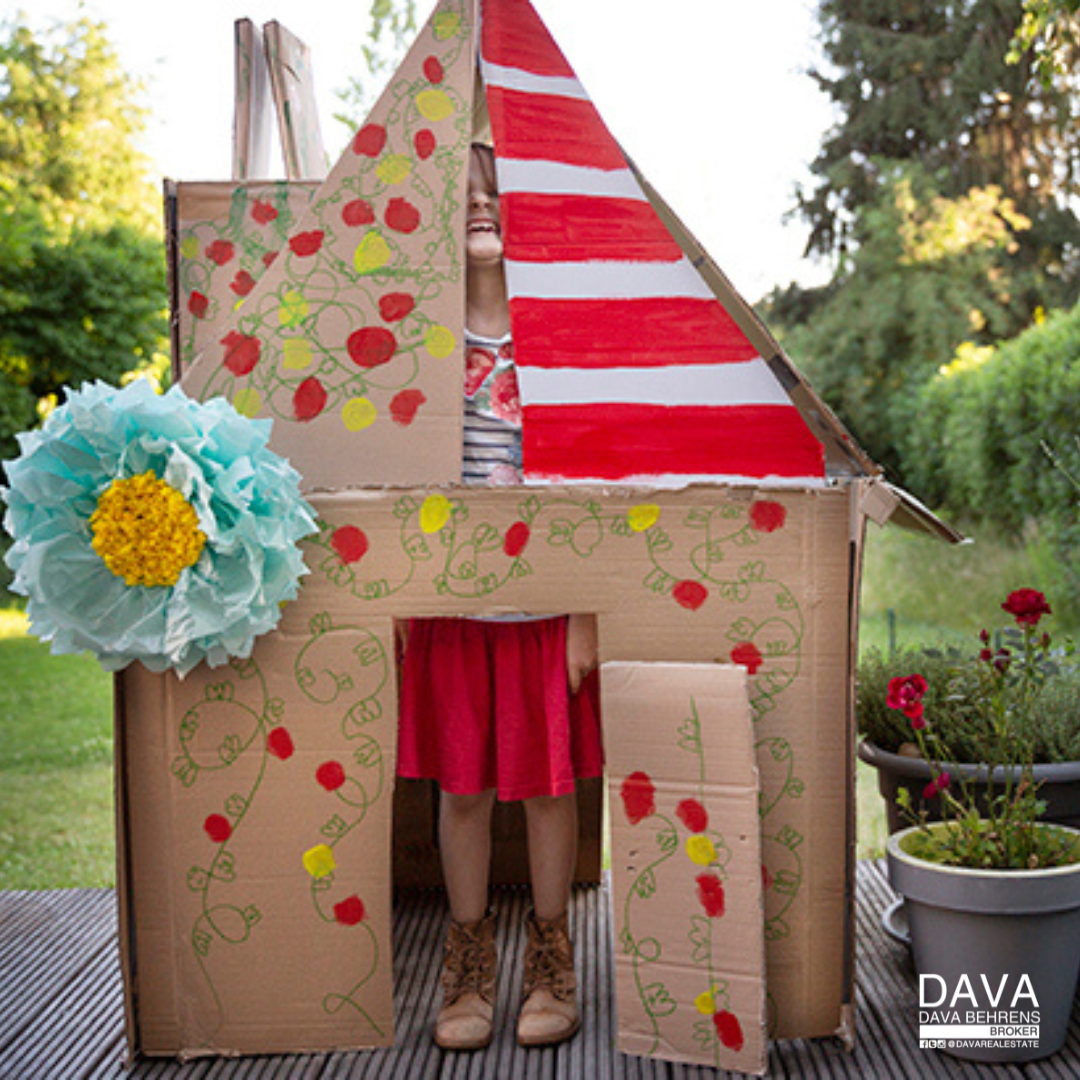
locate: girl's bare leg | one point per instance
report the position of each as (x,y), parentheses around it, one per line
(465,842)
(552,825)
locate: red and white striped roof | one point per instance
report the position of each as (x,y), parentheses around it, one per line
(629,365)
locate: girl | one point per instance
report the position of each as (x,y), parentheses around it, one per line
(491,708)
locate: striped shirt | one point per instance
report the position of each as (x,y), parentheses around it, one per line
(492,438)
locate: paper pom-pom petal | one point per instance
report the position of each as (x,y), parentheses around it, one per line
(223,583)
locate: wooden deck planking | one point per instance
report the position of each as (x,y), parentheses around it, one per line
(61,1007)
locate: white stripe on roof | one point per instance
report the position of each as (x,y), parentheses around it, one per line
(511,78)
(555,178)
(605,280)
(748,382)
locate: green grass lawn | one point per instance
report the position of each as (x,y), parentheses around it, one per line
(56,805)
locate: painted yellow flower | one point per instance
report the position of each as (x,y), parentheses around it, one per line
(435,513)
(701,849)
(643,516)
(319,861)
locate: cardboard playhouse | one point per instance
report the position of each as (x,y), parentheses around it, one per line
(683,483)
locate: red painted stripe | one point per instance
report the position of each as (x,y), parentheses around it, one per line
(612,442)
(578,228)
(625,333)
(539,127)
(515,36)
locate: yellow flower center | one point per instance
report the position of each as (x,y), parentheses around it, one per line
(146,531)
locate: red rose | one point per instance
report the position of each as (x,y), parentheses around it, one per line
(357,212)
(638,797)
(242,284)
(424,142)
(693,815)
(263,212)
(505,397)
(371,346)
(710,891)
(220,252)
(279,743)
(748,655)
(404,405)
(197,304)
(350,543)
(401,215)
(395,306)
(479,364)
(433,70)
(309,399)
(370,140)
(350,911)
(241,352)
(767,516)
(517,536)
(330,775)
(218,828)
(906,693)
(728,1029)
(1027,606)
(690,594)
(307,243)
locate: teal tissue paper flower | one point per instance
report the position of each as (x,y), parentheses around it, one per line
(153,527)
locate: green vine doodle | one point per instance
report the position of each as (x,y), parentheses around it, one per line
(345,668)
(219,733)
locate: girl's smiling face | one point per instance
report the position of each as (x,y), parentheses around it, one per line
(483,226)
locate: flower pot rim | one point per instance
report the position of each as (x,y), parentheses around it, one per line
(919,768)
(894,851)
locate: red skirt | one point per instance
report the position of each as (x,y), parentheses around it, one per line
(487,705)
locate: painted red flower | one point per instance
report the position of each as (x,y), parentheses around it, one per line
(263,212)
(517,536)
(306,243)
(370,140)
(371,346)
(309,399)
(357,212)
(218,828)
(505,397)
(479,364)
(396,305)
(433,70)
(767,516)
(279,743)
(330,775)
(710,891)
(242,284)
(693,815)
(220,252)
(638,797)
(402,216)
(906,693)
(690,594)
(268,258)
(350,911)
(350,543)
(1027,606)
(404,406)
(197,304)
(728,1029)
(424,143)
(748,655)
(241,352)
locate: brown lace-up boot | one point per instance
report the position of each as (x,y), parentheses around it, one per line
(549,1012)
(468,985)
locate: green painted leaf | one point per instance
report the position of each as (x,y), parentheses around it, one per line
(657,1000)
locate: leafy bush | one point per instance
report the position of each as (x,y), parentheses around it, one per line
(1053,727)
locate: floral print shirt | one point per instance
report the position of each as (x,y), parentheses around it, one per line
(492,439)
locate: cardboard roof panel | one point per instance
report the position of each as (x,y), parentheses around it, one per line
(630,366)
(351,340)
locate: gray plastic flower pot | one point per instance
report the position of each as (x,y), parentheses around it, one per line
(995,950)
(1059,785)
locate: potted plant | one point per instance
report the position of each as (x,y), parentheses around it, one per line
(992,892)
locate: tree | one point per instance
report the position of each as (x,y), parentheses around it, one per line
(1050,30)
(82,267)
(925,276)
(927,81)
(70,119)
